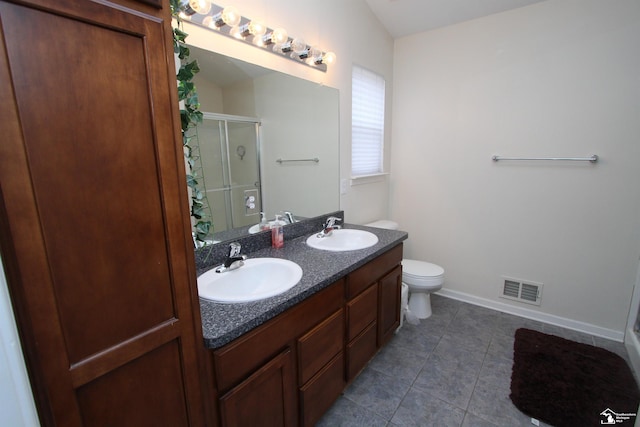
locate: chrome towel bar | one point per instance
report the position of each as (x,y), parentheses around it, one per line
(315,160)
(592,159)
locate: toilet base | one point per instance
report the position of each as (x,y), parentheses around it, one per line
(420,304)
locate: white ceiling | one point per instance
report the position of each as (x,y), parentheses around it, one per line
(405,17)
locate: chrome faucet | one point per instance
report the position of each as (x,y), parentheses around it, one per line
(289,217)
(234,260)
(329,226)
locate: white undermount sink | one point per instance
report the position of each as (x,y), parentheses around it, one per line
(257,279)
(343,240)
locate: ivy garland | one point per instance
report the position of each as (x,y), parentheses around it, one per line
(190,116)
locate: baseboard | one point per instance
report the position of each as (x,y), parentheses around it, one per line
(551,319)
(632,344)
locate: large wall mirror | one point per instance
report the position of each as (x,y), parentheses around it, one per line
(269,142)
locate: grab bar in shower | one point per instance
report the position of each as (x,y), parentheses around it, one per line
(592,159)
(281,161)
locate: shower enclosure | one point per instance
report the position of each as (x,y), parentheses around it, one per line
(230,158)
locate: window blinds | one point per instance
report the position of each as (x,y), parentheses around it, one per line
(367,125)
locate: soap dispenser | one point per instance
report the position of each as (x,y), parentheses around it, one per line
(277,233)
(264,224)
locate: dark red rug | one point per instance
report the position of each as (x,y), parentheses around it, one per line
(565,383)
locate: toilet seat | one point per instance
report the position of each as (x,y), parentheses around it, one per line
(422,274)
(415,268)
(421,268)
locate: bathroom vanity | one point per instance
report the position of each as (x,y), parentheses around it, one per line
(287,358)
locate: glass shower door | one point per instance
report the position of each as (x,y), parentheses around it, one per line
(244,173)
(231,168)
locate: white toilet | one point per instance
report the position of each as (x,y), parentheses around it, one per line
(422,278)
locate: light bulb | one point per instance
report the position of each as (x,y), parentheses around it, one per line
(313,56)
(236,32)
(279,36)
(209,22)
(230,16)
(329,58)
(315,53)
(200,6)
(299,46)
(257,28)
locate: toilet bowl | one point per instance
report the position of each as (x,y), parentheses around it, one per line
(421,277)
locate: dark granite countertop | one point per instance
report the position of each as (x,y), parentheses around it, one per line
(222,323)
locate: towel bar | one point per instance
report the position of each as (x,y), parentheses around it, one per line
(315,160)
(592,159)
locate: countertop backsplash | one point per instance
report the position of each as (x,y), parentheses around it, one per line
(211,256)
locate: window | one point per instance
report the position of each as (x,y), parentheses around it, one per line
(367,122)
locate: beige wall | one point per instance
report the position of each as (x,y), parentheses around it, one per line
(347,28)
(559,78)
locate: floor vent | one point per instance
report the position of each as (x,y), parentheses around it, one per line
(524,291)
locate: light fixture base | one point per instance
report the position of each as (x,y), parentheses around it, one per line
(243,35)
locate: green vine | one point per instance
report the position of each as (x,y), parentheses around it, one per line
(190,116)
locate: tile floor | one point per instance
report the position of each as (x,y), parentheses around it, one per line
(453,369)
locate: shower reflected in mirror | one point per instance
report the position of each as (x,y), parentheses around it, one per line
(256,116)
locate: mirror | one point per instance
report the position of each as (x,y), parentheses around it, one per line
(297,141)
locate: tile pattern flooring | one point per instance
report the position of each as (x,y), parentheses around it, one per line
(453,369)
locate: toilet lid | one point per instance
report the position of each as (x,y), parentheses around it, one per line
(421,268)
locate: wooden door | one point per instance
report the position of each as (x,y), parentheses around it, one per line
(94,216)
(266,398)
(390,288)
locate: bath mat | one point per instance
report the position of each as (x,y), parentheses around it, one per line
(565,383)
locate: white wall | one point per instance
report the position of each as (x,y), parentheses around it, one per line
(558,78)
(347,28)
(214,99)
(307,189)
(17,407)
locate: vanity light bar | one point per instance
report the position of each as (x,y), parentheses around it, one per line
(227,21)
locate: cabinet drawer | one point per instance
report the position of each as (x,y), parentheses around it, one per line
(360,279)
(361,350)
(318,346)
(322,390)
(361,311)
(236,360)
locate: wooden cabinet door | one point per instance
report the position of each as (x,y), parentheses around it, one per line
(94,217)
(318,346)
(362,311)
(360,350)
(321,391)
(389,288)
(266,398)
